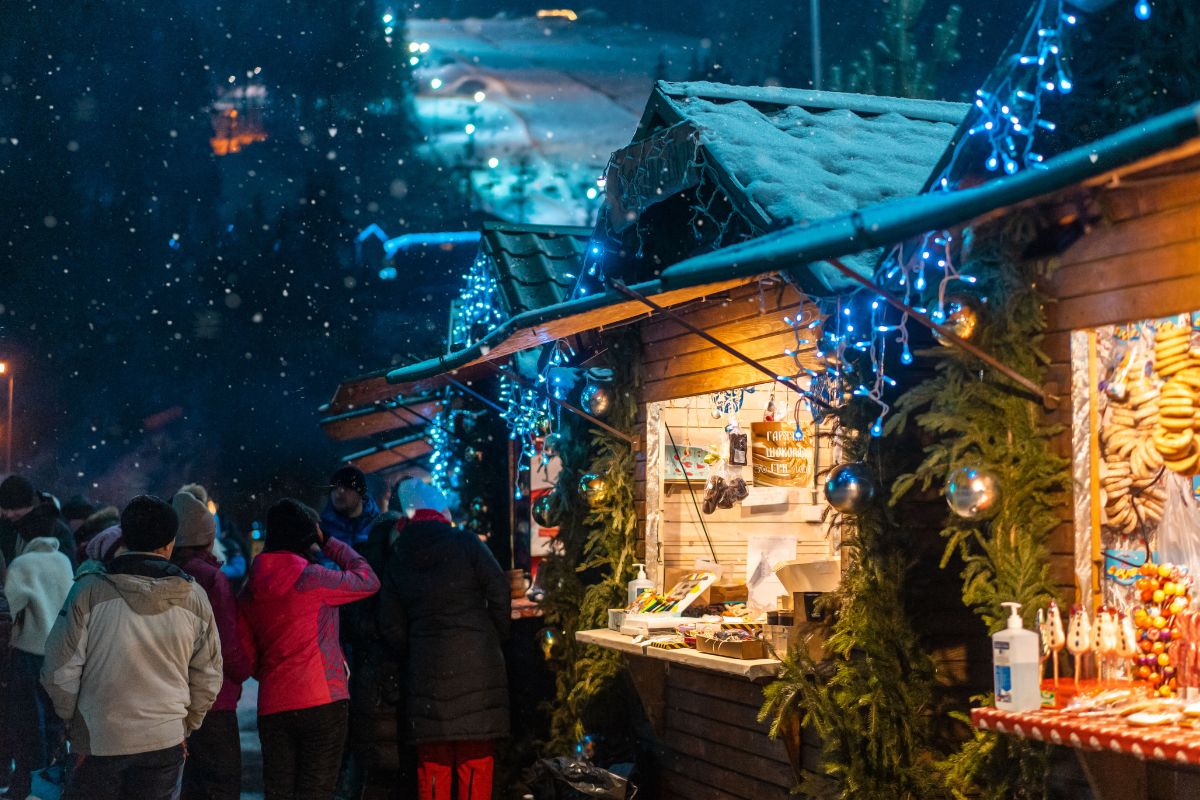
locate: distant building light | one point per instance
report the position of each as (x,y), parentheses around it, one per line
(414,61)
(424,48)
(493,162)
(469,128)
(387,274)
(592,194)
(387,18)
(480,96)
(561,13)
(435,84)
(413,47)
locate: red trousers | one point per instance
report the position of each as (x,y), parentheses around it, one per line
(440,762)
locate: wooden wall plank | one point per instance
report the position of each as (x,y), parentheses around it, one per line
(1135,235)
(732,377)
(1122,272)
(713,685)
(1121,305)
(712,751)
(712,359)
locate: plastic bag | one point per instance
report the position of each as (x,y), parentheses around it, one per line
(1179,532)
(565,778)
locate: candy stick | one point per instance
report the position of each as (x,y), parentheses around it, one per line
(1058,639)
(1079,637)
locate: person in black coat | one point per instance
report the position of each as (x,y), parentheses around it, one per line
(384,762)
(445,607)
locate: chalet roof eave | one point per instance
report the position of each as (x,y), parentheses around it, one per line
(875,226)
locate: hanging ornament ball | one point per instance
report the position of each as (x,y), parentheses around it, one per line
(596,399)
(850,487)
(542,426)
(715,412)
(551,642)
(592,487)
(544,512)
(961,318)
(551,445)
(973,493)
(478,507)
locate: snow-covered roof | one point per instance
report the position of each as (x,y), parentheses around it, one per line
(801,155)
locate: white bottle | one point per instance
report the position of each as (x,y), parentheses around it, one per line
(640,584)
(1015,663)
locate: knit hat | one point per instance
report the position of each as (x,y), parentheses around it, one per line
(414,495)
(16,492)
(197,491)
(292,526)
(197,527)
(103,546)
(350,477)
(148,523)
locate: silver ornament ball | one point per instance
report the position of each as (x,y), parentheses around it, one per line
(544,512)
(973,492)
(596,399)
(850,488)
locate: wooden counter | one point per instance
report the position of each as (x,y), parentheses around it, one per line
(704,712)
(750,669)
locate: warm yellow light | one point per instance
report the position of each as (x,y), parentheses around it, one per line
(564,13)
(3,367)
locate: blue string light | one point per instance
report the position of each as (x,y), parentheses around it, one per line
(479,311)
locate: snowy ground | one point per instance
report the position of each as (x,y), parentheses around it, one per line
(252,780)
(558,98)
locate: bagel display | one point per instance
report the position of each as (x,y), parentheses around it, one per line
(1131,462)
(1151,425)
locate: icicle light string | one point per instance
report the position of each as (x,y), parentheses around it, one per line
(1008,122)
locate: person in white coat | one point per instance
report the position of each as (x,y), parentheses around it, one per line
(36,585)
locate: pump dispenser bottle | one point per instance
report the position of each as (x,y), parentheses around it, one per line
(640,584)
(1015,664)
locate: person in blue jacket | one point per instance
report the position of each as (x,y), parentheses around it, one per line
(350,511)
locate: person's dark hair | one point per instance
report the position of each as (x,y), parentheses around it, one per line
(148,523)
(292,526)
(78,507)
(97,522)
(350,477)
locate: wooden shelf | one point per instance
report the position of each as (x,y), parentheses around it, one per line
(749,669)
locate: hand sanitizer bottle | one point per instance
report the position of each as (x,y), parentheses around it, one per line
(640,584)
(1015,663)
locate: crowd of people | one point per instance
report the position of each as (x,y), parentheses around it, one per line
(374,636)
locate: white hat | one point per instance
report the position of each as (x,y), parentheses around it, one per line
(415,495)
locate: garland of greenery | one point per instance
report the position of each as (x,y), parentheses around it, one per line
(590,572)
(978,418)
(869,700)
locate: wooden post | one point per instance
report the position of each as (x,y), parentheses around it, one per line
(1094,472)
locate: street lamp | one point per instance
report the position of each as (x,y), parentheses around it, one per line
(8,428)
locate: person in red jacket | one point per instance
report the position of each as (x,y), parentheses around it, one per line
(213,770)
(289,625)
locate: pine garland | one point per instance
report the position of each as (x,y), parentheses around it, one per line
(870,701)
(978,418)
(599,542)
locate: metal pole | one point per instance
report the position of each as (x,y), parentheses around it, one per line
(9,426)
(787,382)
(815,24)
(987,358)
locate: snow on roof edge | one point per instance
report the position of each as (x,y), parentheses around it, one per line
(929,110)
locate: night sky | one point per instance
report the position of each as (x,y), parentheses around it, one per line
(173,310)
